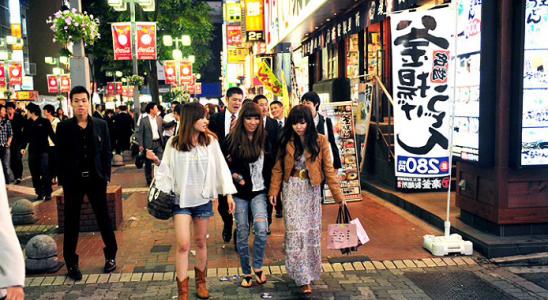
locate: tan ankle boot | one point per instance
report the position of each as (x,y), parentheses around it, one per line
(182,288)
(201,287)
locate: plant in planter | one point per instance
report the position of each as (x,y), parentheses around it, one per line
(135,80)
(71,26)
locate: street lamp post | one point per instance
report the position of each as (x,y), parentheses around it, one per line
(177,54)
(121,5)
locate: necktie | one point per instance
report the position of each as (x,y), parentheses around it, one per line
(232,120)
(280,123)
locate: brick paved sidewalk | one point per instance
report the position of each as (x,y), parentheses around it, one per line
(458,281)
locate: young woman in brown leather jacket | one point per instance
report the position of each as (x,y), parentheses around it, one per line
(303,162)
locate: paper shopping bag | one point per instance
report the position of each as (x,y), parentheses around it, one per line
(341,236)
(362,235)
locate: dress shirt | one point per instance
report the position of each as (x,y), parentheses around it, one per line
(154,127)
(228,119)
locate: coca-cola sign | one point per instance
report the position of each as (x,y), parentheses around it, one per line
(121,41)
(2,76)
(16,74)
(146,40)
(170,69)
(53,84)
(65,83)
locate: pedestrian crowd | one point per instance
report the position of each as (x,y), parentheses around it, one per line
(248,156)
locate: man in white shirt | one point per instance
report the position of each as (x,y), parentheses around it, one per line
(277,112)
(149,136)
(170,123)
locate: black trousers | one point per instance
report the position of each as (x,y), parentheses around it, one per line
(223,211)
(96,190)
(158,150)
(122,143)
(41,181)
(16,161)
(52,166)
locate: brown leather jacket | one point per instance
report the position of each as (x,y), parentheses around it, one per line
(323,164)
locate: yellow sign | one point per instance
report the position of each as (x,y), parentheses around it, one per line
(237,55)
(285,95)
(16,30)
(26,95)
(268,79)
(254,15)
(233,12)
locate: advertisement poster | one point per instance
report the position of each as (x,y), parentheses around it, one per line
(423,98)
(2,76)
(65,83)
(361,93)
(269,79)
(146,40)
(467,81)
(170,69)
(234,35)
(534,132)
(121,40)
(15,74)
(342,118)
(53,84)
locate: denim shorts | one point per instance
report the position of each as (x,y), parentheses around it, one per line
(201,211)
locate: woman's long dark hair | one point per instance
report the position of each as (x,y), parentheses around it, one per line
(190,114)
(239,144)
(299,114)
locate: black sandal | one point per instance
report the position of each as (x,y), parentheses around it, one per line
(259,277)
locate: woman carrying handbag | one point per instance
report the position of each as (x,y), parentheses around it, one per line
(250,159)
(193,167)
(304,159)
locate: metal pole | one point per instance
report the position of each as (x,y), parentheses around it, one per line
(136,102)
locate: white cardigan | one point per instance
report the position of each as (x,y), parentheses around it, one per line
(218,180)
(12,262)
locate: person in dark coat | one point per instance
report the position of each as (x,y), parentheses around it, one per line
(123,128)
(84,167)
(221,123)
(18,122)
(36,134)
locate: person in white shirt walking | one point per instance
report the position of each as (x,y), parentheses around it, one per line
(193,167)
(49,114)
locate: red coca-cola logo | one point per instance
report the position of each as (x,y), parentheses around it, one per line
(147,49)
(122,50)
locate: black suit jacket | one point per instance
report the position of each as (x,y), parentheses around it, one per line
(273,134)
(217,125)
(68,151)
(123,125)
(321,129)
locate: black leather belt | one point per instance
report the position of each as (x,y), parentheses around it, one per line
(84,174)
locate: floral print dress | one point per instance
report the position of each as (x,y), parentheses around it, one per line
(303,222)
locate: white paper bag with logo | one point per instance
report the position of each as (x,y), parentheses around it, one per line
(360,231)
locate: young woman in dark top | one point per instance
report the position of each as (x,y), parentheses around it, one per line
(250,159)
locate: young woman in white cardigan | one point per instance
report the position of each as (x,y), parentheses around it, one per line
(193,167)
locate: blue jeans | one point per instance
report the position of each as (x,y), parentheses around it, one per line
(200,211)
(258,210)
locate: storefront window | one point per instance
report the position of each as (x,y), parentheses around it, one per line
(330,61)
(352,57)
(373,57)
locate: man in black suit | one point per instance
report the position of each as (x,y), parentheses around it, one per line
(84,160)
(36,135)
(99,112)
(273,130)
(123,127)
(18,122)
(323,125)
(220,123)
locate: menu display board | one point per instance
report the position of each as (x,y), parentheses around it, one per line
(467,81)
(534,120)
(342,118)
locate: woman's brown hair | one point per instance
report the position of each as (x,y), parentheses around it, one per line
(239,144)
(190,114)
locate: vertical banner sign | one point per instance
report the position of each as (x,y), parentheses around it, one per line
(254,20)
(65,83)
(110,88)
(233,12)
(2,76)
(341,115)
(234,35)
(362,97)
(146,40)
(185,72)
(170,69)
(422,95)
(121,41)
(268,79)
(119,88)
(53,84)
(15,74)
(467,81)
(198,88)
(534,123)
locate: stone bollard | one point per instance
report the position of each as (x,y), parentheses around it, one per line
(22,212)
(118,161)
(41,255)
(127,156)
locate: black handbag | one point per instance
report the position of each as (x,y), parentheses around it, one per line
(160,204)
(140,160)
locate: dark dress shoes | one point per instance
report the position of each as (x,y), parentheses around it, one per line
(74,273)
(110,265)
